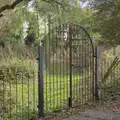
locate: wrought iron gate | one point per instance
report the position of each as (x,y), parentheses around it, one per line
(68,71)
(81,66)
(68,75)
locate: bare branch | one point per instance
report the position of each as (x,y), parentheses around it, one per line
(10,6)
(1,15)
(16,2)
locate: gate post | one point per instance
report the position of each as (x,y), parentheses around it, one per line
(40,82)
(70,64)
(97,72)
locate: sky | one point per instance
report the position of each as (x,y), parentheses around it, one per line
(83,4)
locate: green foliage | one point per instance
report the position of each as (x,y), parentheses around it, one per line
(109,87)
(15,65)
(12,71)
(65,11)
(108,28)
(17,60)
(6,99)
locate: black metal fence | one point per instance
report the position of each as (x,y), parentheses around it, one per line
(69,74)
(18,94)
(68,68)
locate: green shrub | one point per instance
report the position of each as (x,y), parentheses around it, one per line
(17,68)
(109,87)
(12,71)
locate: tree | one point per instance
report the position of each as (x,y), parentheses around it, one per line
(60,12)
(107,24)
(8,6)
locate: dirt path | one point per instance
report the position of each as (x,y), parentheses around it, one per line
(107,111)
(95,115)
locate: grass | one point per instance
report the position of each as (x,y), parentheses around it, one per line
(56,91)
(56,95)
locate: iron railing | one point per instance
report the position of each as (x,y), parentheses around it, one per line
(69,74)
(18,94)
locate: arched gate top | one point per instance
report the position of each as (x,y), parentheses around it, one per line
(87,35)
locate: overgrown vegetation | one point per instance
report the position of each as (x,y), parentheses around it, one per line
(16,71)
(25,24)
